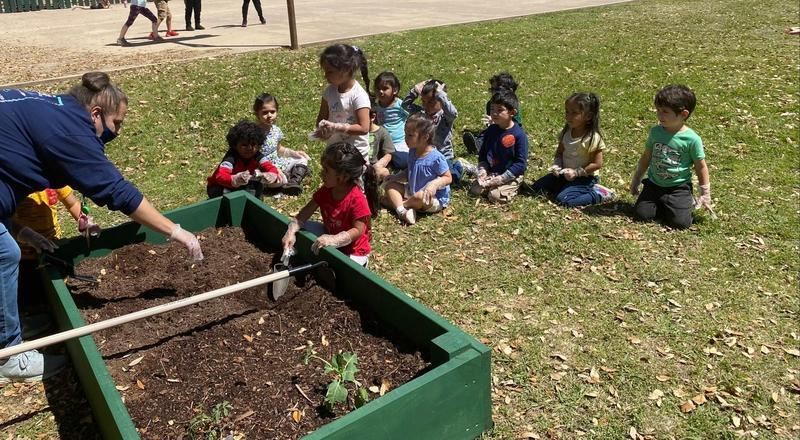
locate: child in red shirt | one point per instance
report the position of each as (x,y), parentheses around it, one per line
(244,166)
(346,210)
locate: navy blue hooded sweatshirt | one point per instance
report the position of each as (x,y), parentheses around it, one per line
(49,141)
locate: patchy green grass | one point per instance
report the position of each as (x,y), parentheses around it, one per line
(602,327)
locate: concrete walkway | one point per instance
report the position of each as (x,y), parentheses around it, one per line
(94,32)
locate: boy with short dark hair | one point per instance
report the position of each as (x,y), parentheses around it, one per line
(670,152)
(503,156)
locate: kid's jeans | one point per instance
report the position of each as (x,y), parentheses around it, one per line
(579,192)
(9,275)
(672,205)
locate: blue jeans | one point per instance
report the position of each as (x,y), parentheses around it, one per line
(9,276)
(579,192)
(456,170)
(399,160)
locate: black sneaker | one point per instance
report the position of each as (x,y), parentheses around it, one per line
(292,189)
(263,20)
(199,28)
(470,142)
(189,27)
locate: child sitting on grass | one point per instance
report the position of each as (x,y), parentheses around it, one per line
(574,175)
(244,165)
(428,176)
(346,210)
(670,152)
(292,165)
(391,115)
(437,106)
(502,82)
(503,156)
(381,148)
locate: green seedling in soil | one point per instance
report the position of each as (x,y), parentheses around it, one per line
(210,427)
(343,367)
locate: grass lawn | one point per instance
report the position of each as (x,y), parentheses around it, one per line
(601,327)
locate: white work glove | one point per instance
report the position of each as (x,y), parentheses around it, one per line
(482,176)
(486,120)
(36,240)
(573,173)
(704,201)
(296,154)
(289,238)
(338,240)
(492,182)
(635,183)
(266,178)
(189,240)
(87,226)
(334,126)
(554,170)
(429,192)
(240,179)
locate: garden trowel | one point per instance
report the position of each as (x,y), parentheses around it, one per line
(278,288)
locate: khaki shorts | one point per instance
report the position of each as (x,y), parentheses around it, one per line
(163,10)
(501,194)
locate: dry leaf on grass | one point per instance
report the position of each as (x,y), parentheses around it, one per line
(139,384)
(688,406)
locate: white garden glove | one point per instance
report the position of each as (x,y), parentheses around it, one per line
(554,170)
(289,237)
(338,240)
(704,201)
(493,181)
(240,179)
(87,226)
(486,120)
(429,192)
(334,126)
(572,173)
(189,240)
(36,240)
(266,178)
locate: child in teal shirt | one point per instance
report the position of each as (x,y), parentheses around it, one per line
(672,149)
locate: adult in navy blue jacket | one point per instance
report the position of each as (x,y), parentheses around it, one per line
(48,141)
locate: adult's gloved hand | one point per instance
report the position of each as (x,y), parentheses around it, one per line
(36,240)
(240,179)
(338,240)
(189,240)
(87,226)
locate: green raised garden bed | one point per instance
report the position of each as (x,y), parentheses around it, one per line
(451,400)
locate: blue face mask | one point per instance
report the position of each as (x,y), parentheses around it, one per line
(108,135)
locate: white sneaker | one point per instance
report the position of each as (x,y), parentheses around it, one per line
(409,217)
(30,366)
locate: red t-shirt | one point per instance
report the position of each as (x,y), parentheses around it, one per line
(341,215)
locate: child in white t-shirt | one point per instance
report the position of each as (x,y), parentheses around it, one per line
(344,108)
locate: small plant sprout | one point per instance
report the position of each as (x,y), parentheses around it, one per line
(343,368)
(210,427)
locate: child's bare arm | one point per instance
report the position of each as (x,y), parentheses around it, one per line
(641,168)
(73,205)
(384,161)
(323,111)
(595,164)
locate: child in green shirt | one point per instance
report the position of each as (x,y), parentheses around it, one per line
(672,149)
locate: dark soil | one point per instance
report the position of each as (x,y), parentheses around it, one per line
(241,348)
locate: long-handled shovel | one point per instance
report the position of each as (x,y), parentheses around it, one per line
(119,320)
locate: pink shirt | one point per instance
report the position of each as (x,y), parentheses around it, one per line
(341,215)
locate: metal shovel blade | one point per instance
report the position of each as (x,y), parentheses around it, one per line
(276,289)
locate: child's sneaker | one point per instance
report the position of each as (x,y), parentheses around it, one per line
(606,194)
(410,217)
(470,142)
(123,42)
(172,34)
(469,169)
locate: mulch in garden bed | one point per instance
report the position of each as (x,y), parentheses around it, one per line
(240,351)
